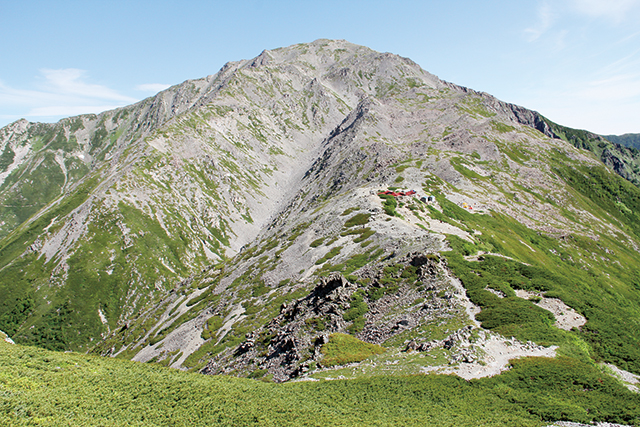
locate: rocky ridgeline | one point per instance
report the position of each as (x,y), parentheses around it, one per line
(290,342)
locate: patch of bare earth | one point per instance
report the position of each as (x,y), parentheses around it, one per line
(629,380)
(494,356)
(566,317)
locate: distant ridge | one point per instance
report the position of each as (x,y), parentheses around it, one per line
(628,139)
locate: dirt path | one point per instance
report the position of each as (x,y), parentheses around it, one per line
(482,253)
(461,296)
(629,380)
(495,351)
(566,317)
(498,351)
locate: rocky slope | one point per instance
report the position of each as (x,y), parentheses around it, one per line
(623,159)
(235,224)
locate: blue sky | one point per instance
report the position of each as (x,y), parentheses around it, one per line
(575,61)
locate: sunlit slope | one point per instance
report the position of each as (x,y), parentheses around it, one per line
(341,258)
(40,387)
(244,231)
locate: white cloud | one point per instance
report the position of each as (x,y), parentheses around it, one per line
(628,63)
(606,118)
(606,105)
(615,10)
(629,37)
(552,14)
(57,94)
(69,81)
(544,22)
(614,83)
(70,110)
(152,87)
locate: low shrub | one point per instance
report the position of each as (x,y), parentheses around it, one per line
(343,348)
(357,307)
(357,219)
(317,242)
(333,252)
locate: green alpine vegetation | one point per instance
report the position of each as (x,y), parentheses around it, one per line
(619,153)
(40,387)
(631,140)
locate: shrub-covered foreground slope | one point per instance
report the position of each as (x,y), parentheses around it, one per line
(40,387)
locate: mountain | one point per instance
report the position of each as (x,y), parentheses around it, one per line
(631,140)
(620,157)
(322,211)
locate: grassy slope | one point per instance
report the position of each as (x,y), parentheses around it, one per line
(102,391)
(40,180)
(40,387)
(104,269)
(629,157)
(599,279)
(89,286)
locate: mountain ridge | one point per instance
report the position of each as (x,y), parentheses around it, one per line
(628,139)
(238,224)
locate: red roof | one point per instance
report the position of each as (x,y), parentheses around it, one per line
(398,193)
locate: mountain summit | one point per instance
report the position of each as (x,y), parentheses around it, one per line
(320,211)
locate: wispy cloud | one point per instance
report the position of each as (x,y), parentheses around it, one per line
(629,37)
(613,89)
(59,93)
(553,14)
(614,10)
(70,82)
(544,21)
(626,64)
(152,87)
(69,110)
(605,103)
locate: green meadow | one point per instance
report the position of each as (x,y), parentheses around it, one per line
(44,388)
